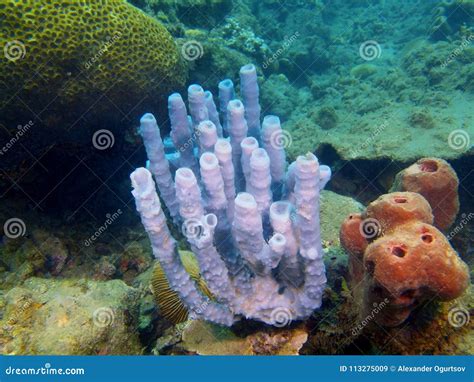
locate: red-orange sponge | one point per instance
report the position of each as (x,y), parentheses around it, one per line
(398,259)
(413,263)
(436,180)
(355,243)
(391,210)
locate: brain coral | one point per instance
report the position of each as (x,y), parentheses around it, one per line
(83,52)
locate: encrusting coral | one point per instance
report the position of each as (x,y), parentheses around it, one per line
(260,259)
(398,259)
(436,180)
(75,317)
(207,339)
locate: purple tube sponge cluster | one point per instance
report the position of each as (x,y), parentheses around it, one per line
(252,223)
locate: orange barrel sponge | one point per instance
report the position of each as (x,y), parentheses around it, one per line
(354,242)
(391,210)
(412,264)
(436,180)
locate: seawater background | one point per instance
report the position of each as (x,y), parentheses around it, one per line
(370,86)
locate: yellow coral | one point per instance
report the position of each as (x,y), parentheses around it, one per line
(82,50)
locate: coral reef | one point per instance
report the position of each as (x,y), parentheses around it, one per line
(421,118)
(243,38)
(450,17)
(436,181)
(398,260)
(410,93)
(175,15)
(73,284)
(282,279)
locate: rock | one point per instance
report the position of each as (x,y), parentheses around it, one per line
(70,317)
(105,269)
(208,339)
(334,209)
